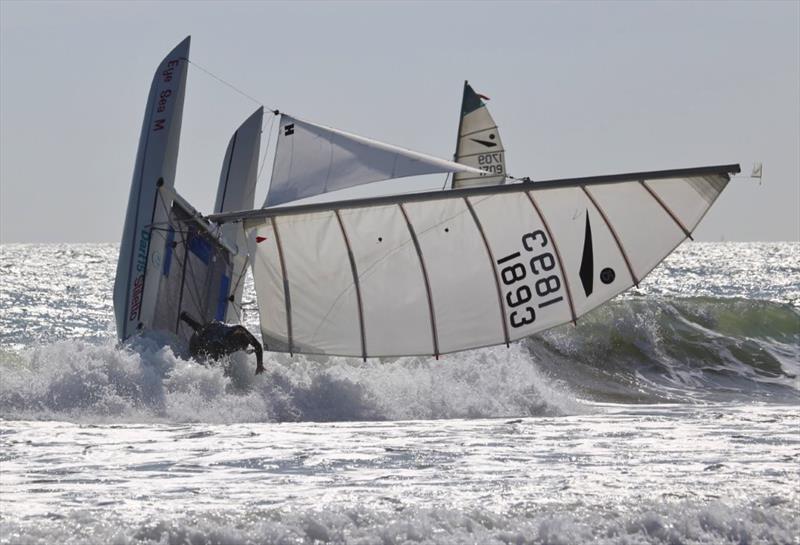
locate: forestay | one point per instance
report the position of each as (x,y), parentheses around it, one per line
(479,143)
(311,159)
(433,273)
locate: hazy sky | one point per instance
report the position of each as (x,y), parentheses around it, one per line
(577,88)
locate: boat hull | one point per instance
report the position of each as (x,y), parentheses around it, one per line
(136,286)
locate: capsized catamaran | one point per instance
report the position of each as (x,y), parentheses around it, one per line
(408,274)
(171,259)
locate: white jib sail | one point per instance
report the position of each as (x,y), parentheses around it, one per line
(479,143)
(311,159)
(437,273)
(236,191)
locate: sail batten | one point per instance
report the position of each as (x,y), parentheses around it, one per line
(431,274)
(666,208)
(431,310)
(613,231)
(500,302)
(285,280)
(356,285)
(549,232)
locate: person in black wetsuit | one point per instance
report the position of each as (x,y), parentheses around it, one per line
(216,339)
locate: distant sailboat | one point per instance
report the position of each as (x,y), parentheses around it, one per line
(428,273)
(478,144)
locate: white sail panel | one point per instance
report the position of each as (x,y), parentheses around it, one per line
(629,208)
(688,201)
(465,305)
(311,159)
(267,266)
(516,235)
(325,317)
(437,273)
(390,276)
(587,252)
(478,144)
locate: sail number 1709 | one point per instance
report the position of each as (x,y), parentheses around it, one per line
(513,273)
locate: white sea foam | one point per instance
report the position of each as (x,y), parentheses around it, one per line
(86,382)
(756,522)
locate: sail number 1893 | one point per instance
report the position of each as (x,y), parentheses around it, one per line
(513,272)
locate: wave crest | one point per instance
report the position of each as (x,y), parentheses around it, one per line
(631,350)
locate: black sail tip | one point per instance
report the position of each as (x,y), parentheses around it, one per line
(586,272)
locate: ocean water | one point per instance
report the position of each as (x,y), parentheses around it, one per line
(669,415)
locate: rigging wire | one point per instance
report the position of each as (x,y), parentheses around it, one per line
(244,267)
(239,315)
(186,265)
(275,111)
(232,86)
(446,177)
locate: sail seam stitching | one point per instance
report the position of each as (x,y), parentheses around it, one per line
(613,234)
(414,239)
(503,311)
(558,256)
(286,297)
(357,286)
(666,209)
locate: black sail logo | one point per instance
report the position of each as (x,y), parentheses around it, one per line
(487,143)
(586,271)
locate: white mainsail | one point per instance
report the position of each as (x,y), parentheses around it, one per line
(432,273)
(478,144)
(311,159)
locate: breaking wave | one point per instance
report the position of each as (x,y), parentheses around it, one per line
(767,520)
(631,350)
(679,349)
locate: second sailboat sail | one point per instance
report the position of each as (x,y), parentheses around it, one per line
(478,144)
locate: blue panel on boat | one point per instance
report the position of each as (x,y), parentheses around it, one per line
(201,248)
(168,251)
(222,302)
